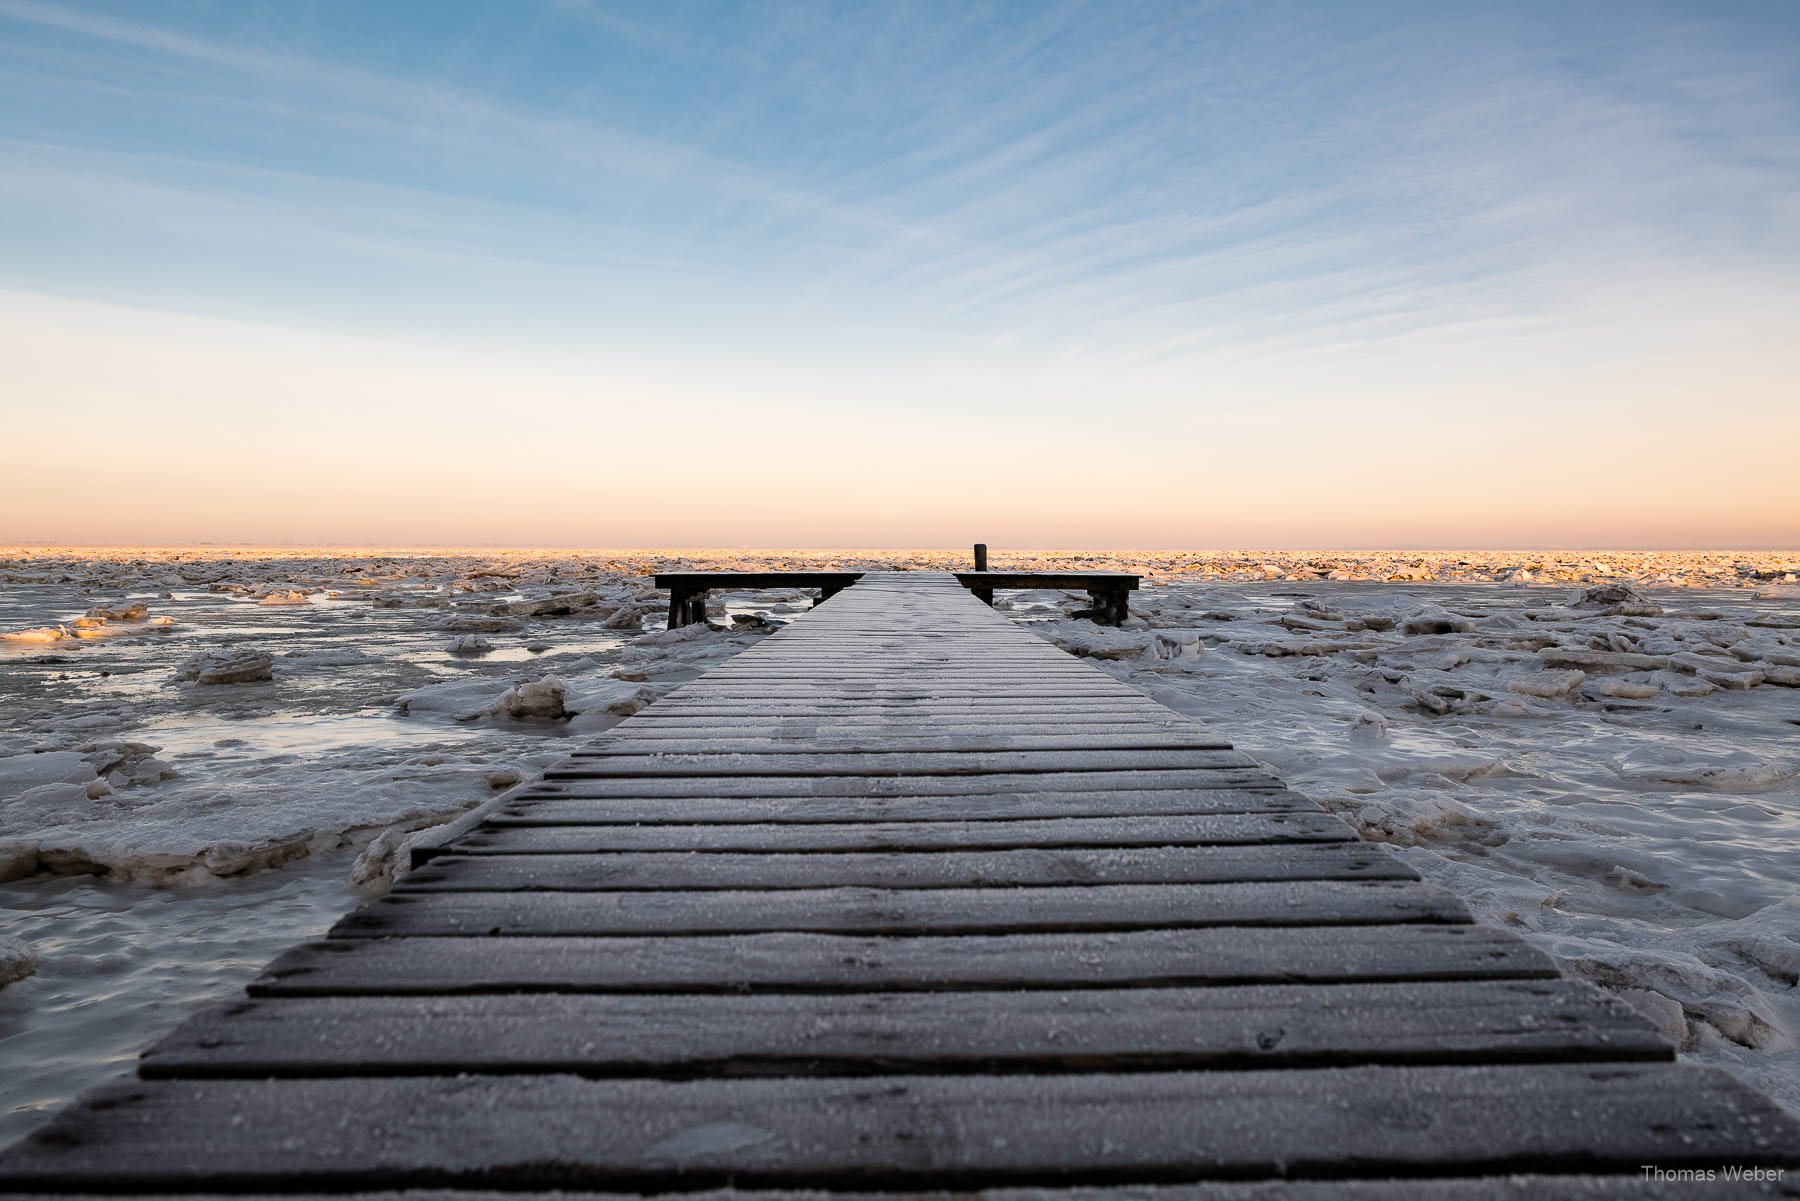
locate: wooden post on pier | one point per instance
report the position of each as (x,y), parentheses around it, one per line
(985,595)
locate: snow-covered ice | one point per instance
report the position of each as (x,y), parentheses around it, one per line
(1614,772)
(1597,750)
(182,797)
(294,729)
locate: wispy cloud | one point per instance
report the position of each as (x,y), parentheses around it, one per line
(965,210)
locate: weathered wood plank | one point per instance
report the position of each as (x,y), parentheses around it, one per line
(569,808)
(792,659)
(630,743)
(920,1131)
(883,1033)
(1203,830)
(904,911)
(907,869)
(960,698)
(973,670)
(669,723)
(836,963)
(907,735)
(1511,1187)
(1095,693)
(895,786)
(587,765)
(963,710)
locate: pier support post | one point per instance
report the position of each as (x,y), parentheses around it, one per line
(686,607)
(1109,606)
(984,595)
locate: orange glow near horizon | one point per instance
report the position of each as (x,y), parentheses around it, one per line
(184,430)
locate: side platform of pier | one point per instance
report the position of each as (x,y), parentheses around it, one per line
(905,899)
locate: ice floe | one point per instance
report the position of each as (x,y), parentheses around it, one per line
(1634,809)
(1613,770)
(16,960)
(228,667)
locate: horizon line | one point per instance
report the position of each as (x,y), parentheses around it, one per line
(1511,548)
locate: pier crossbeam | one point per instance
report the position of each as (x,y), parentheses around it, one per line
(1108,591)
(904,899)
(688,589)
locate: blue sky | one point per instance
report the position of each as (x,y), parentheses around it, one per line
(1192,274)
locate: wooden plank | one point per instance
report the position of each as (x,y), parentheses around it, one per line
(586,764)
(908,705)
(877,743)
(907,869)
(1090,689)
(672,721)
(904,690)
(1090,685)
(1047,700)
(1293,1026)
(1094,684)
(909,733)
(997,713)
(1511,1187)
(545,809)
(840,963)
(900,659)
(896,786)
(868,669)
(1196,830)
(903,911)
(785,652)
(918,1131)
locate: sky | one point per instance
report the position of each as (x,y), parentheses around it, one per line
(564,272)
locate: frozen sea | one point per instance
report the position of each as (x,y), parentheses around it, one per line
(1617,777)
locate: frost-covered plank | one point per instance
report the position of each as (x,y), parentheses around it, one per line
(897,786)
(877,1033)
(907,869)
(1193,830)
(878,786)
(887,743)
(964,709)
(974,672)
(583,764)
(908,735)
(657,722)
(837,963)
(1070,694)
(791,658)
(977,677)
(918,1131)
(784,654)
(540,809)
(1511,1187)
(904,911)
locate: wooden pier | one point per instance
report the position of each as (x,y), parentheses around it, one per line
(905,899)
